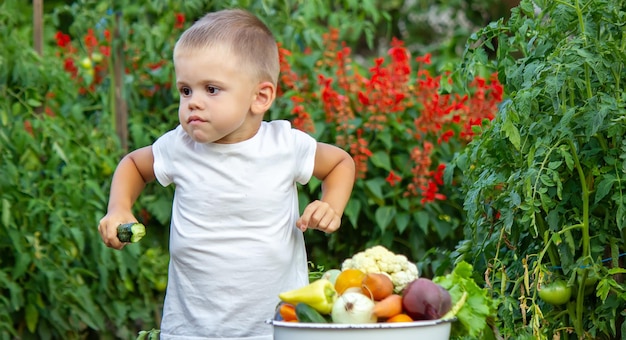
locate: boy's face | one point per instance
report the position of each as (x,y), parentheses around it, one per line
(215,96)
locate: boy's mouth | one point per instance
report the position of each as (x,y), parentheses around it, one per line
(192,119)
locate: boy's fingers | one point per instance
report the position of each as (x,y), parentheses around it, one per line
(109,236)
(318,215)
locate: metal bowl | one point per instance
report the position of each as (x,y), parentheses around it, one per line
(429,330)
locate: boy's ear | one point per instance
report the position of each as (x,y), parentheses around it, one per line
(263,97)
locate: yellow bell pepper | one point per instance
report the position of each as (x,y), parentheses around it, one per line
(319,294)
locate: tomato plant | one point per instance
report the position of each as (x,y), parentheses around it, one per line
(558,143)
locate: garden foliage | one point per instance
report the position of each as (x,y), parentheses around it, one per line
(545,196)
(401,119)
(402,124)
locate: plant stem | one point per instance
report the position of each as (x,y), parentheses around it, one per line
(568,228)
(585,232)
(585,199)
(552,253)
(581,23)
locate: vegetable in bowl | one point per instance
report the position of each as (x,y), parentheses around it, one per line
(379,259)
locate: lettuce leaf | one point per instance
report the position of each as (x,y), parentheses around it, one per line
(472,305)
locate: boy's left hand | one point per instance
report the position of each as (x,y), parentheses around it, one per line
(319,215)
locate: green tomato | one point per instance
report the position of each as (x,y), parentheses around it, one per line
(86,63)
(97,57)
(555,293)
(590,281)
(160,283)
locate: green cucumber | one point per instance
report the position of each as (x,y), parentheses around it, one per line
(306,313)
(131,232)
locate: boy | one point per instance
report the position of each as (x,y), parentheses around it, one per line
(236,237)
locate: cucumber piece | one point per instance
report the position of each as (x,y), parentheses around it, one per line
(131,232)
(306,313)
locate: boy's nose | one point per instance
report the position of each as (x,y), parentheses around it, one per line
(195,103)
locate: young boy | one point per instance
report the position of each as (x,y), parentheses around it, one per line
(236,236)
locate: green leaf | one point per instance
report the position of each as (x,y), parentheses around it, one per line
(4,117)
(567,156)
(6,212)
(512,133)
(546,180)
(352,211)
(381,159)
(33,102)
(603,289)
(620,216)
(57,149)
(402,221)
(422,219)
(479,305)
(384,215)
(375,187)
(385,138)
(22,258)
(604,187)
(615,271)
(32,317)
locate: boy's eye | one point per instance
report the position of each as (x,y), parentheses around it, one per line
(185,91)
(212,89)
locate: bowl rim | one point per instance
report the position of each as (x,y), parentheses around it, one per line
(421,323)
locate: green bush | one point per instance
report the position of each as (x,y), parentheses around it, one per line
(402,123)
(544,184)
(61,140)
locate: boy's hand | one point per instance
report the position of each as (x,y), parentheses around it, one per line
(108,228)
(319,215)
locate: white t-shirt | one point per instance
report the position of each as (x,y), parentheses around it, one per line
(234,245)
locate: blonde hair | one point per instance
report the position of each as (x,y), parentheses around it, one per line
(243,33)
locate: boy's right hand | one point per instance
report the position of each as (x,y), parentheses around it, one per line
(108,228)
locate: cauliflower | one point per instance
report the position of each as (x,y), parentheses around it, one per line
(379,259)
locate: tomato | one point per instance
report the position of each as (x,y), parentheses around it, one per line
(160,283)
(86,63)
(555,293)
(590,281)
(97,57)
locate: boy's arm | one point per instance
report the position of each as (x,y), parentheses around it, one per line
(130,177)
(336,169)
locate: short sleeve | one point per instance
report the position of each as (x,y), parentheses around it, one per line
(305,148)
(162,151)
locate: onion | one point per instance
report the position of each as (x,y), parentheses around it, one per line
(352,307)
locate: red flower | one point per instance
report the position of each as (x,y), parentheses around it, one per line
(430,193)
(180,20)
(392,179)
(363,98)
(105,50)
(28,126)
(445,136)
(438,174)
(397,52)
(90,40)
(70,67)
(303,120)
(360,152)
(63,40)
(49,112)
(425,59)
